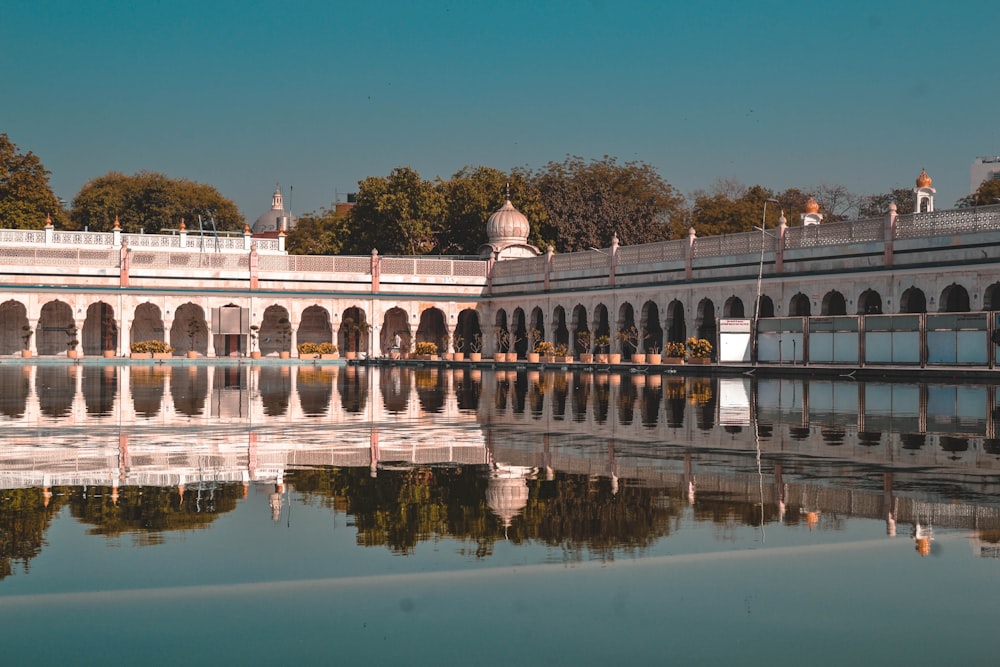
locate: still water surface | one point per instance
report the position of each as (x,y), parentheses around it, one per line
(196,513)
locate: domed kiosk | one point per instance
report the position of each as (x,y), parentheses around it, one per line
(507,233)
(276,220)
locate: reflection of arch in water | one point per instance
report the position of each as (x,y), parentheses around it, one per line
(13,319)
(189,389)
(430,385)
(274,384)
(394,385)
(315,388)
(352,385)
(14,386)
(146,388)
(100,389)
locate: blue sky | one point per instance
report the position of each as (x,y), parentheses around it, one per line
(318,95)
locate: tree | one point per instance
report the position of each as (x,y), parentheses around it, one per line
(473,194)
(322,233)
(148,202)
(396,214)
(987,194)
(26,198)
(587,203)
(876,206)
(717,214)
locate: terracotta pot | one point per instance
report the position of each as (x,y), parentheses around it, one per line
(448,356)
(26,354)
(700,361)
(108,354)
(460,356)
(601,358)
(73,354)
(255,354)
(475,356)
(654,358)
(351,355)
(192,354)
(284,354)
(140,355)
(673,360)
(614,358)
(586,358)
(330,355)
(163,355)
(533,357)
(549,359)
(639,358)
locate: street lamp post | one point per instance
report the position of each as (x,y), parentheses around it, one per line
(760,276)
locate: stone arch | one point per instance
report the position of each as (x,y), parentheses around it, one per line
(705,322)
(870,303)
(275,330)
(954,299)
(733,307)
(396,323)
(833,304)
(650,323)
(314,326)
(799,306)
(13,320)
(189,332)
(432,328)
(100,330)
(913,300)
(626,321)
(352,335)
(560,332)
(54,327)
(147,324)
(766,306)
(602,323)
(676,326)
(469,331)
(991,297)
(580,326)
(518,333)
(501,331)
(538,323)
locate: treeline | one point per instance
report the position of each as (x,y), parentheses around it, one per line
(571,205)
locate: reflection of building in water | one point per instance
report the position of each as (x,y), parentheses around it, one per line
(507,491)
(922,537)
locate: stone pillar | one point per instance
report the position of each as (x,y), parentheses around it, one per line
(210,349)
(123,264)
(613,260)
(294,323)
(281,241)
(168,324)
(124,334)
(254,262)
(247,238)
(890,233)
(779,244)
(548,267)
(376,270)
(32,342)
(692,237)
(184,234)
(49,230)
(116,234)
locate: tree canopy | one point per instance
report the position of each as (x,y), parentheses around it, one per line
(987,194)
(26,198)
(148,202)
(397,214)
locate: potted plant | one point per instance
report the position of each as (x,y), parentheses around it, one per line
(447,355)
(254,336)
(601,344)
(458,345)
(653,355)
(26,333)
(545,350)
(476,347)
(503,343)
(562,353)
(139,350)
(285,336)
(194,328)
(583,339)
(160,349)
(534,336)
(353,330)
(673,352)
(109,335)
(72,341)
(699,350)
(328,351)
(426,350)
(630,337)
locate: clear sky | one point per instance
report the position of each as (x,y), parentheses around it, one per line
(318,95)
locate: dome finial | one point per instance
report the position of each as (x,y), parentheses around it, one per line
(923,180)
(506,191)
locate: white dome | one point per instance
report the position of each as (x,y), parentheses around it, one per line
(507,226)
(275,219)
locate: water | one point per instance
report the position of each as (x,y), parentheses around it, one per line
(199,513)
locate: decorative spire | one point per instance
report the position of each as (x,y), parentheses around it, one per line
(277,201)
(183,226)
(923,180)
(506,193)
(117,224)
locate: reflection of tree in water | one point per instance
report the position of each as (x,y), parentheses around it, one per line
(100,388)
(149,511)
(24,518)
(401,508)
(539,384)
(353,387)
(189,388)
(146,386)
(394,383)
(315,387)
(702,395)
(676,397)
(274,385)
(14,387)
(430,389)
(602,398)
(560,392)
(502,391)
(56,387)
(468,388)
(520,392)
